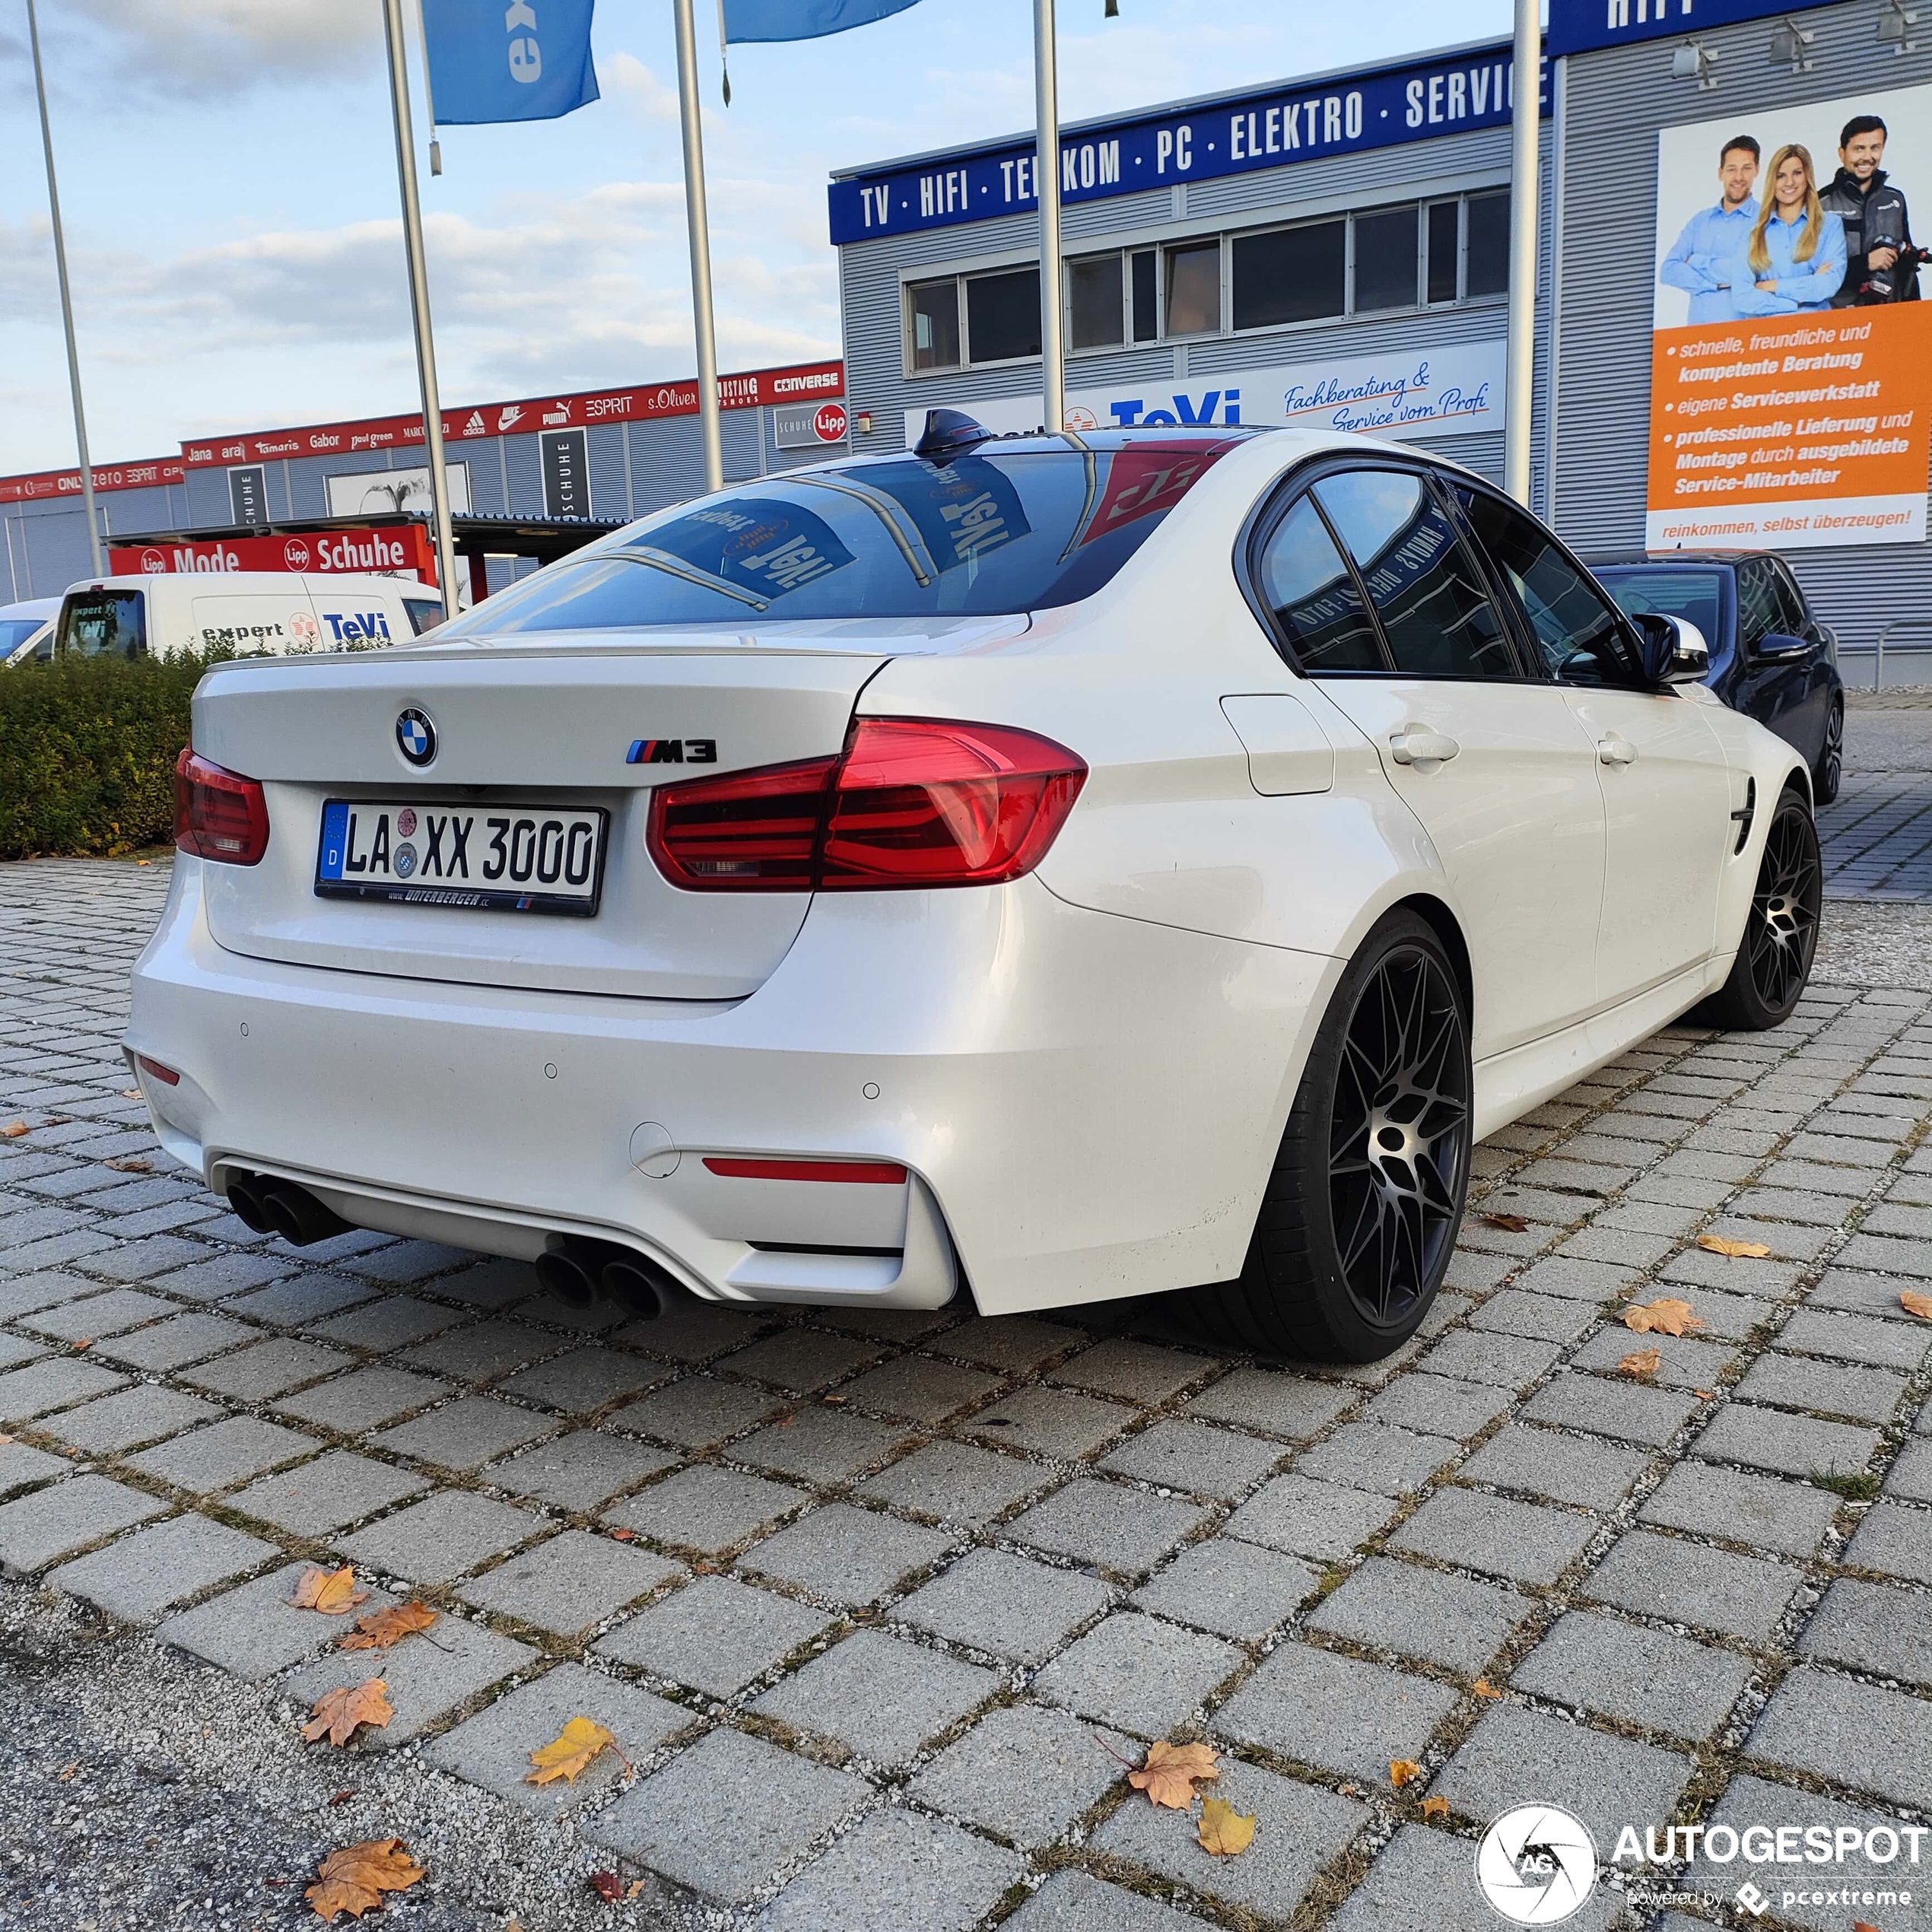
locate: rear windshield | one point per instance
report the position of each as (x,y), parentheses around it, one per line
(98,623)
(981,535)
(424,614)
(1694,595)
(14,631)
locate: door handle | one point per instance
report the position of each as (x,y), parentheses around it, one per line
(1418,745)
(1614,750)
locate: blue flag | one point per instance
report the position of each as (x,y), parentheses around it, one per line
(508,60)
(801,19)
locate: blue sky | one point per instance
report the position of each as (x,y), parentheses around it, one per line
(228,179)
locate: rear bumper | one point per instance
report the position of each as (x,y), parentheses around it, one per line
(1086,1106)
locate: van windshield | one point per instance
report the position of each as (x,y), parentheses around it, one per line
(995,531)
(101,623)
(14,631)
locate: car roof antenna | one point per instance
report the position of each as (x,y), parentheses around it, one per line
(949,432)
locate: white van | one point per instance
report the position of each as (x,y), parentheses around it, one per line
(252,613)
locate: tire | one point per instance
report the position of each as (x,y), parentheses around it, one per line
(1352,1241)
(1830,767)
(1780,932)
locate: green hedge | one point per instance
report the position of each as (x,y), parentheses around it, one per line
(87,747)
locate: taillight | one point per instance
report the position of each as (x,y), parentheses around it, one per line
(912,802)
(217,814)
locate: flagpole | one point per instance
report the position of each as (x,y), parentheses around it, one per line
(699,224)
(66,301)
(1045,88)
(1519,364)
(412,243)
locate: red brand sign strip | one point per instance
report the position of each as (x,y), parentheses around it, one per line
(799,382)
(113,476)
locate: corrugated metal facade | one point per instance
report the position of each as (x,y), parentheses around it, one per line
(1614,101)
(43,542)
(872,274)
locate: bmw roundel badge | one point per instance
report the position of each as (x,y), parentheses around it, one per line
(415,736)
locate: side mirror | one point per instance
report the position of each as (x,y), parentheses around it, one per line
(1775,647)
(1673,650)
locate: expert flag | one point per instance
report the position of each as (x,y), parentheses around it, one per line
(529,60)
(801,19)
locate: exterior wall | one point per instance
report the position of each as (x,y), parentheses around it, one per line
(872,271)
(635,468)
(1614,101)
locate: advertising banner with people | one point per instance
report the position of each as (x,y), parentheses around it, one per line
(1790,356)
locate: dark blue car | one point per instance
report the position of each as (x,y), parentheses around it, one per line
(1770,657)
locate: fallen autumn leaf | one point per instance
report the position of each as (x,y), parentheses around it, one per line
(381,1629)
(1404,1770)
(570,1753)
(337,1712)
(330,1591)
(130,1164)
(1743,1250)
(1435,1807)
(607,1885)
(1223,1831)
(1641,1362)
(13,1130)
(1483,1688)
(1662,1318)
(1516,1224)
(1168,1775)
(1915,1303)
(353,1879)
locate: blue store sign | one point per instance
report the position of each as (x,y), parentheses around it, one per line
(1382,107)
(1576,26)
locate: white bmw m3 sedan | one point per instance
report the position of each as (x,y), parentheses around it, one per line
(1039,870)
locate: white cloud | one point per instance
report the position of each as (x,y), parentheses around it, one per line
(206,48)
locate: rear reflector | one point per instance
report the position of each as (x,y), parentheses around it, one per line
(879,1174)
(166,1074)
(912,802)
(218,814)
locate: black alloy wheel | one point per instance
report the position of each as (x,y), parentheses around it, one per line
(1829,770)
(1398,1137)
(1359,1217)
(1780,931)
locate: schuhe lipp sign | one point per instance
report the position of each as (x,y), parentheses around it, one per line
(404,551)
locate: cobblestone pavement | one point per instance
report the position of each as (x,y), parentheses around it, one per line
(1878,835)
(875,1604)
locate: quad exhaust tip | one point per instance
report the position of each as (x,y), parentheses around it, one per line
(270,1206)
(580,1272)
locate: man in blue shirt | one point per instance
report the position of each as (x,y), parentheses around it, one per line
(1714,237)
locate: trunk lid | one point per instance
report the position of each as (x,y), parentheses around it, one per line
(535,725)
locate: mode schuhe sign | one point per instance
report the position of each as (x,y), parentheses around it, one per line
(402,551)
(1380,108)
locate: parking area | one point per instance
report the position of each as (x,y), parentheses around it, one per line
(879,1606)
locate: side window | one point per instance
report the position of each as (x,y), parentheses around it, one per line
(1758,613)
(1435,610)
(1794,619)
(1313,595)
(1578,632)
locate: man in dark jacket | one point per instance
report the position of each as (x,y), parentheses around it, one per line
(1877,225)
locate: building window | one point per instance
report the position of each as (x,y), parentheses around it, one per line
(1487,249)
(1386,260)
(1374,261)
(1194,288)
(1290,274)
(935,311)
(1097,310)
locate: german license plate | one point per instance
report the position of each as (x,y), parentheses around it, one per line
(505,858)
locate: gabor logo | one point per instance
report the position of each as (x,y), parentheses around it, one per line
(1536,1864)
